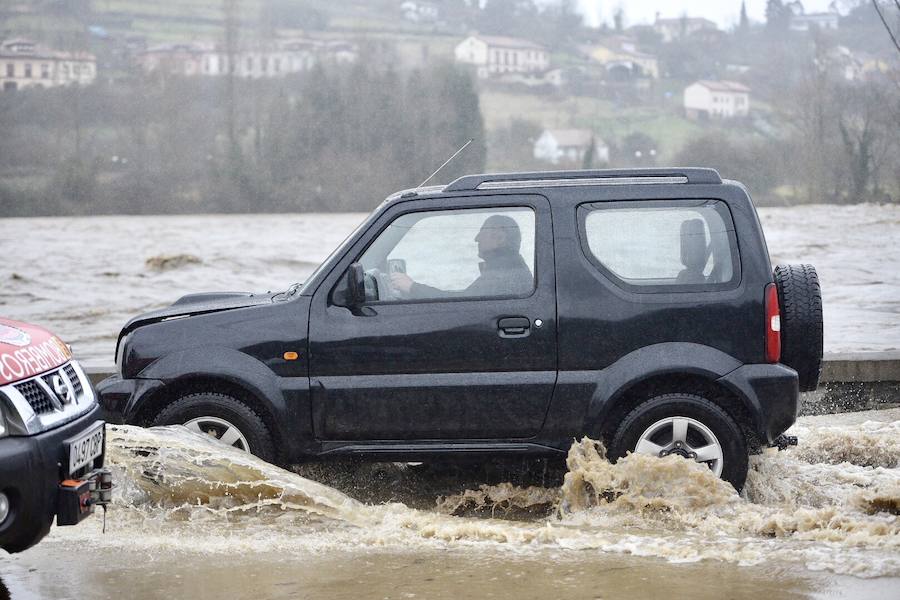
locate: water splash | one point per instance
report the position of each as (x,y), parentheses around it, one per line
(832,503)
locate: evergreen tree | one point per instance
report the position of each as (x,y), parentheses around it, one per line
(777,15)
(744,25)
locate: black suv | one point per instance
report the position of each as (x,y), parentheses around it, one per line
(502,314)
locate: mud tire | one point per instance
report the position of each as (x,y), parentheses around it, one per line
(800,301)
(208,404)
(735,452)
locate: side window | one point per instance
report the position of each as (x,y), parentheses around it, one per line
(462,253)
(650,245)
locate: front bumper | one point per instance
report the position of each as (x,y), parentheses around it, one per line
(772,393)
(120,398)
(31,468)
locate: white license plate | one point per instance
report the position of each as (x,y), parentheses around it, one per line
(86,448)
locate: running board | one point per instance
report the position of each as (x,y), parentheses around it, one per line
(407,450)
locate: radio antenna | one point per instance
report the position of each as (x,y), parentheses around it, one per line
(447,162)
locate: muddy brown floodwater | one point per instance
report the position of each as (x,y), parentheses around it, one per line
(192,519)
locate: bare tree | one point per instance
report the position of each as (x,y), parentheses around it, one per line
(230,10)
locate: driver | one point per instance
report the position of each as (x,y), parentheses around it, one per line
(503,270)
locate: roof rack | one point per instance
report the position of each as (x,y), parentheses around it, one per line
(543,179)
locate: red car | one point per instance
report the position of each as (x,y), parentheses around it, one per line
(52,443)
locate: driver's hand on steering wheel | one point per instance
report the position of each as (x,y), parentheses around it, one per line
(401,282)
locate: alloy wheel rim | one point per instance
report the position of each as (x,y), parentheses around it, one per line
(220,430)
(685,437)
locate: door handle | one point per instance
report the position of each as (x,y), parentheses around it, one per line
(514,326)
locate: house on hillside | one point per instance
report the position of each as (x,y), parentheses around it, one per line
(622,60)
(855,66)
(495,55)
(275,59)
(26,64)
(570,146)
(682,27)
(716,99)
(802,21)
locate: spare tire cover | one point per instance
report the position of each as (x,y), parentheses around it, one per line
(800,301)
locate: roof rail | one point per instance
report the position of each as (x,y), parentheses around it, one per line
(537,179)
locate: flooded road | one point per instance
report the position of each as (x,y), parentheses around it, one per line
(192,518)
(392,574)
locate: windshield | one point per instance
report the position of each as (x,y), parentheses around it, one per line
(311,282)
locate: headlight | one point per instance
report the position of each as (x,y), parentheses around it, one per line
(120,355)
(4,429)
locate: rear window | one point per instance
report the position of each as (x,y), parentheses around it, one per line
(686,245)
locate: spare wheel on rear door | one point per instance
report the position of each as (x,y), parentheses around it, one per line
(800,301)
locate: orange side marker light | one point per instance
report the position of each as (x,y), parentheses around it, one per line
(291,356)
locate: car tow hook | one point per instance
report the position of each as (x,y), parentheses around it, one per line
(78,497)
(784,441)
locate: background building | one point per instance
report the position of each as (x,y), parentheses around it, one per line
(495,55)
(570,146)
(716,99)
(24,64)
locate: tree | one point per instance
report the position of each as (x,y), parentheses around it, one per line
(589,155)
(777,16)
(619,19)
(744,25)
(864,122)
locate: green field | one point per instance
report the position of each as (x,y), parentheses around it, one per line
(170,20)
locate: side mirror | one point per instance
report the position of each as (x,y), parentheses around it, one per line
(356,285)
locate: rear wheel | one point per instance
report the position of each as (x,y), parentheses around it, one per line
(221,417)
(686,425)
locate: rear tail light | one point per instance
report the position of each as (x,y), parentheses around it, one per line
(773,325)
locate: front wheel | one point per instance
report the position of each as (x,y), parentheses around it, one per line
(221,417)
(689,426)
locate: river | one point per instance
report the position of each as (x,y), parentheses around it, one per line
(84,277)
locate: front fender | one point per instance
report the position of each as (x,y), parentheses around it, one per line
(281,397)
(221,363)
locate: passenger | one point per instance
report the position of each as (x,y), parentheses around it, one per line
(503,270)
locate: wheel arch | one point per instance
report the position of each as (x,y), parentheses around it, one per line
(197,383)
(235,374)
(668,368)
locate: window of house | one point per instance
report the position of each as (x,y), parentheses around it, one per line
(264,64)
(28,70)
(463,253)
(249,64)
(10,70)
(45,71)
(647,245)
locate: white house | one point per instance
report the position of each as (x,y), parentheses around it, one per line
(682,27)
(802,21)
(271,60)
(569,145)
(716,99)
(619,54)
(805,22)
(495,55)
(24,64)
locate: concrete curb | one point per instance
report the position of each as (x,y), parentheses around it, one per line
(850,382)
